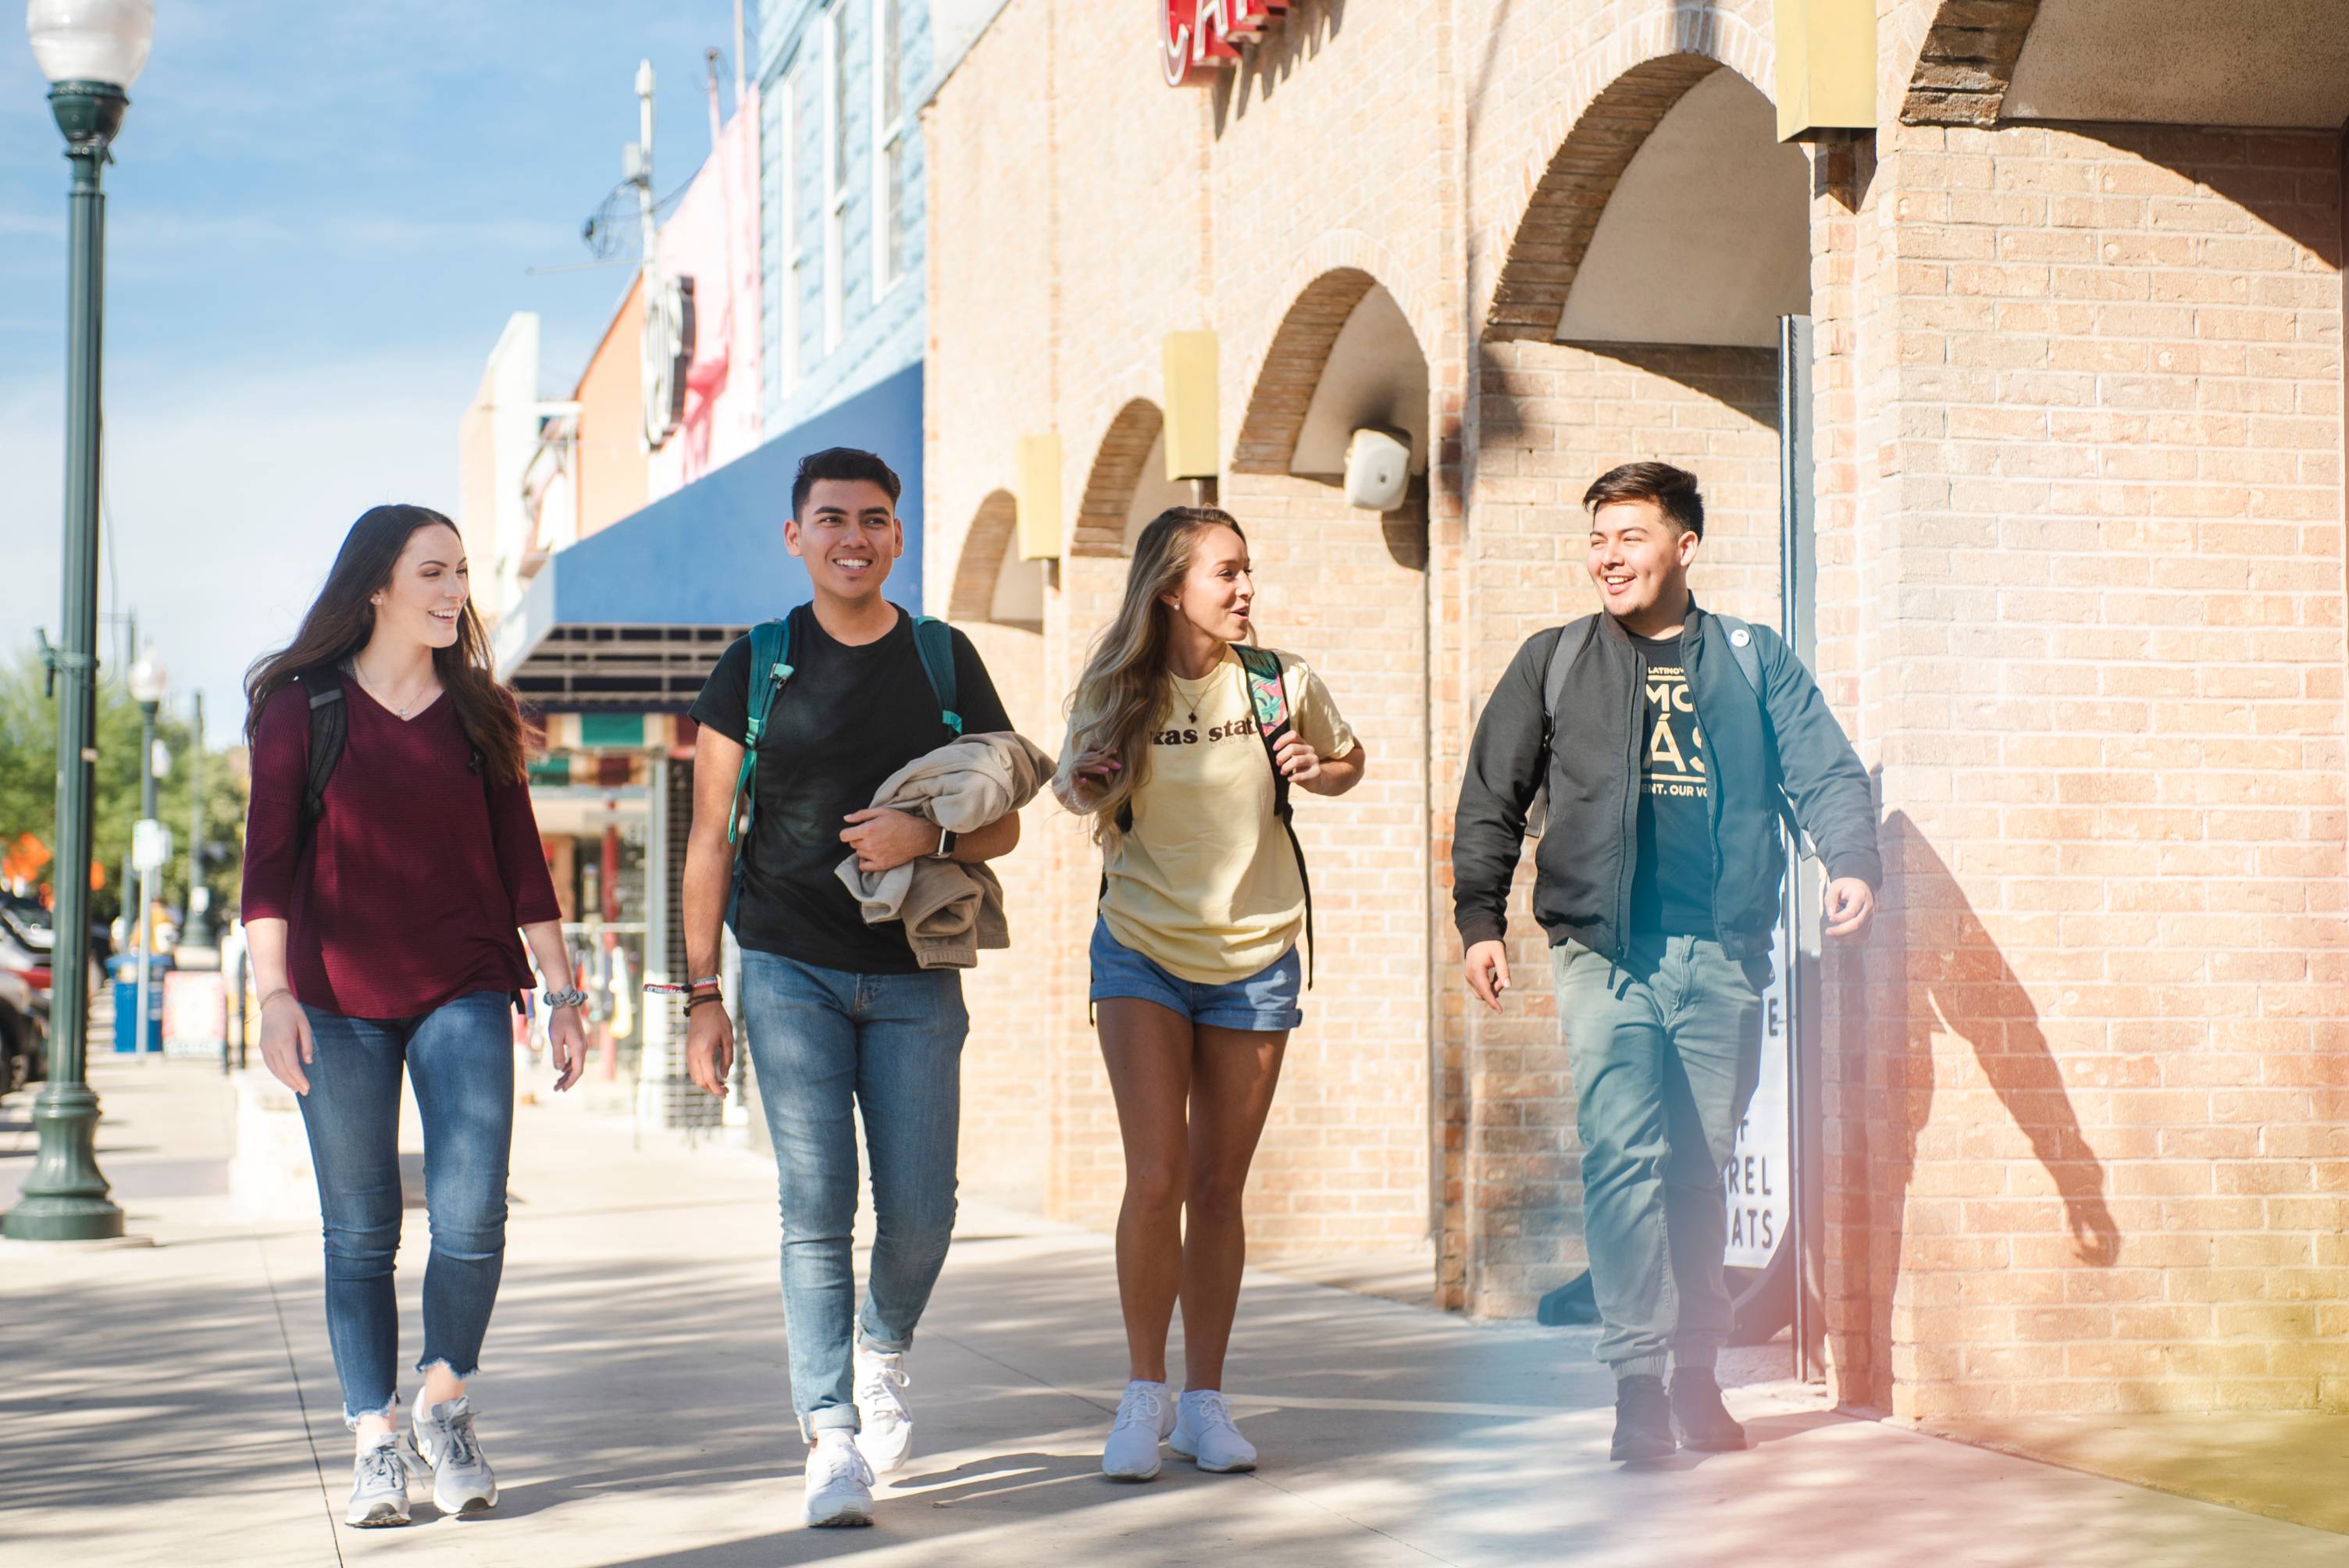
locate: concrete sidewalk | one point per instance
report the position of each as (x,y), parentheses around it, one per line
(177,1403)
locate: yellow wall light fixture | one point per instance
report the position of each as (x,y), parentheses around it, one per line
(1826,67)
(1194,433)
(1037,492)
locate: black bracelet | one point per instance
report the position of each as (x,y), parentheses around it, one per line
(705,997)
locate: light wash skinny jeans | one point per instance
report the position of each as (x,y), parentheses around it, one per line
(825,1045)
(461,1058)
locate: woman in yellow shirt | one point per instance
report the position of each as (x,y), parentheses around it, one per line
(1184,743)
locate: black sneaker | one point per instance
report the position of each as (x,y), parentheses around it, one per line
(1703,1421)
(1643,1419)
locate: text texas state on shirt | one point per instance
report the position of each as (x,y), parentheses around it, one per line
(1231,731)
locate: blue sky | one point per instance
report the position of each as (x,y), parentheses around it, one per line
(319,222)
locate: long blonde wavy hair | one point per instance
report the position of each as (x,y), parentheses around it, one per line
(1127,675)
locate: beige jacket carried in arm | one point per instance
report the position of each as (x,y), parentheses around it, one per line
(951,910)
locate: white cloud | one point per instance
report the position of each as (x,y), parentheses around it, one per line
(228,502)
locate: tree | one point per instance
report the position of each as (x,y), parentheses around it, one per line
(28,788)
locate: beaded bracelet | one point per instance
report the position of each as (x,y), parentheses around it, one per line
(663,989)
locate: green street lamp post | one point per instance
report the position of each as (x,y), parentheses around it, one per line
(92,51)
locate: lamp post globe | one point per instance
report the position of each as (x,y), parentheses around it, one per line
(147,680)
(92,51)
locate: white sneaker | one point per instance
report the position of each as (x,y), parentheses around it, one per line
(1204,1435)
(1144,1416)
(442,1437)
(379,1486)
(839,1481)
(888,1434)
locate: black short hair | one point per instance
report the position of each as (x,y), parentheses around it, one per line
(1674,490)
(843,463)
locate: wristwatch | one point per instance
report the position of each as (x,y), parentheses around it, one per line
(574,997)
(945,852)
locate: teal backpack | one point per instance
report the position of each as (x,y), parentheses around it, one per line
(770,671)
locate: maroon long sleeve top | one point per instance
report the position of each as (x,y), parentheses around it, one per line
(415,879)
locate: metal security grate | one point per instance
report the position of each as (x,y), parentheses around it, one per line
(637,668)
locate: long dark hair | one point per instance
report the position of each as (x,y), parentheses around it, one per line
(341,619)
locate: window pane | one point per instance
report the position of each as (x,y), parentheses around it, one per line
(892,66)
(839,30)
(892,193)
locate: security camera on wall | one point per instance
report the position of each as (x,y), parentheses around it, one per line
(1378,468)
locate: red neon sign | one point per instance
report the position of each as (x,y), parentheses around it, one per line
(1199,37)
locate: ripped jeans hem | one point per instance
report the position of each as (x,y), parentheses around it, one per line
(389,1412)
(449,1367)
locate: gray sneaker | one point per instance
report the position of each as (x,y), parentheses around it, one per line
(442,1437)
(379,1486)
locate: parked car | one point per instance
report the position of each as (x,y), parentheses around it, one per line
(24,1034)
(25,992)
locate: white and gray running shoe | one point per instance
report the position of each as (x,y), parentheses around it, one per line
(839,1481)
(442,1437)
(887,1435)
(1145,1414)
(379,1486)
(1204,1433)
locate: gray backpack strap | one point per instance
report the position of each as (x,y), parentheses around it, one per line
(1745,652)
(1561,661)
(1743,649)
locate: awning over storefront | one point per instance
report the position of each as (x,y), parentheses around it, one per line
(634,616)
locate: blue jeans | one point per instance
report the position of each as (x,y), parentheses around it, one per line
(825,1045)
(461,1058)
(1665,1048)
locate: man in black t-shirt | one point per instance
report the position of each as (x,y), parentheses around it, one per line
(1669,743)
(840,1016)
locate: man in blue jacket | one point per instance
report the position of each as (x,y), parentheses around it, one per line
(1669,742)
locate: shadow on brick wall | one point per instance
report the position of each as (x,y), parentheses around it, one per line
(1954,980)
(2289,180)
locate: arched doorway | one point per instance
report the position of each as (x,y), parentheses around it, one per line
(1345,1162)
(1661,266)
(998,602)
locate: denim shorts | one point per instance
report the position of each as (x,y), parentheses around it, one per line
(1266,1001)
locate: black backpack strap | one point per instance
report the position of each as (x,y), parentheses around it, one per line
(329,718)
(933,640)
(1269,699)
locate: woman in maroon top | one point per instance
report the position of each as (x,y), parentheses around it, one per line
(382,936)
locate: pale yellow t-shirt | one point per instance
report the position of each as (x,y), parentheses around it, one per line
(1205,883)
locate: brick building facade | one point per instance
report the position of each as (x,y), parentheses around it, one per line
(2074,481)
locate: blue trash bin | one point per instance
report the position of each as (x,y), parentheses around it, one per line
(125,970)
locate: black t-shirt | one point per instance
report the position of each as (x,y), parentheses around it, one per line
(848,718)
(1672,881)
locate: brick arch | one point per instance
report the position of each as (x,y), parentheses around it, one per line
(1292,368)
(1115,476)
(984,546)
(1554,235)
(1966,62)
(1544,242)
